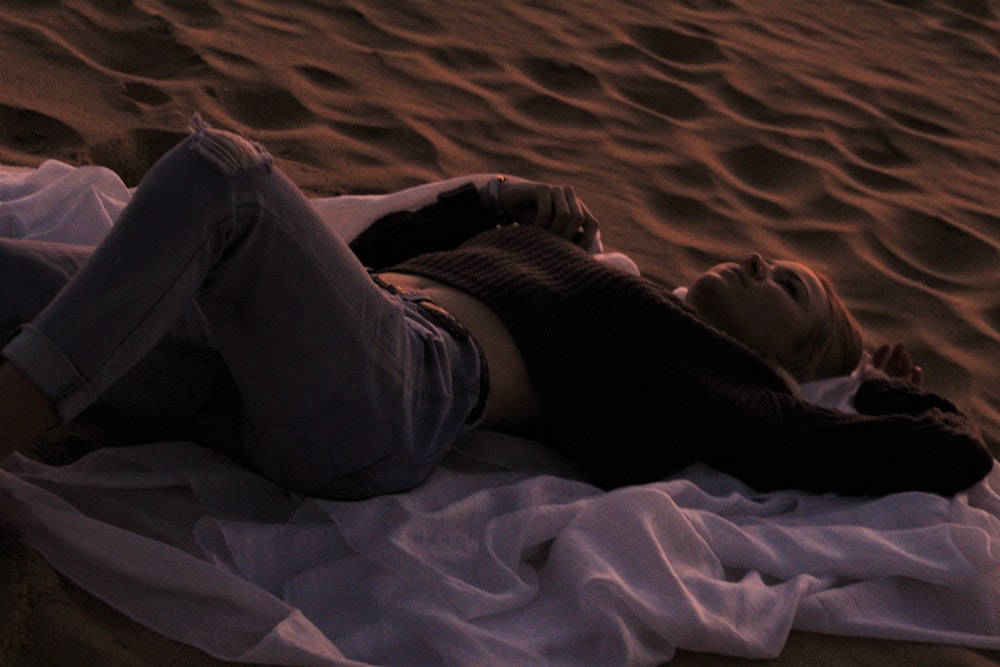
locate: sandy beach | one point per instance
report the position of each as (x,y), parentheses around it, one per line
(859,137)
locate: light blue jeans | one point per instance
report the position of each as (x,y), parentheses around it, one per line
(221,300)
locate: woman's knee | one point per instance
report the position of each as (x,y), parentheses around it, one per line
(207,160)
(228,152)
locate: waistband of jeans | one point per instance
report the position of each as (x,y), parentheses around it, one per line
(454,327)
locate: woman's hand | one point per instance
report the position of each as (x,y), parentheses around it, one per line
(555,208)
(894,362)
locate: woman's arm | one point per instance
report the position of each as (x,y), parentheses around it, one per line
(350,215)
(454,217)
(892,384)
(915,437)
(459,214)
(935,449)
(892,361)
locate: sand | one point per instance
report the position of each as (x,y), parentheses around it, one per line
(859,137)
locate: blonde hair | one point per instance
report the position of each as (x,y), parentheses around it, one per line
(834,348)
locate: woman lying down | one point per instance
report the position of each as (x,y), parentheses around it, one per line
(221,309)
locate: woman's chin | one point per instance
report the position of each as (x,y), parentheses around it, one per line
(708,295)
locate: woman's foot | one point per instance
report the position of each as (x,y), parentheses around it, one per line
(26,411)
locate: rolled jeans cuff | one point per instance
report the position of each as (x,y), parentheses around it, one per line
(45,364)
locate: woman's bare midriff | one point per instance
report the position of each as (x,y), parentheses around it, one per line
(512,404)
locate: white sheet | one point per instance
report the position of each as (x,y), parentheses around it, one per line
(501,564)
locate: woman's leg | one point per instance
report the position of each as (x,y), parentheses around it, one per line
(31,274)
(346,390)
(175,392)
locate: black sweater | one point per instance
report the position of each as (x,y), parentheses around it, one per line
(637,385)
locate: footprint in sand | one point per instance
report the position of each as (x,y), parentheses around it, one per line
(33,132)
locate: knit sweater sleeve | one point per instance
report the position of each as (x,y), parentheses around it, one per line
(894,396)
(456,216)
(915,442)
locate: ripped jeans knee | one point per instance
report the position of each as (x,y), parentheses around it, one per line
(228,152)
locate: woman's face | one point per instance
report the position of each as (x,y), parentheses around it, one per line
(772,307)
